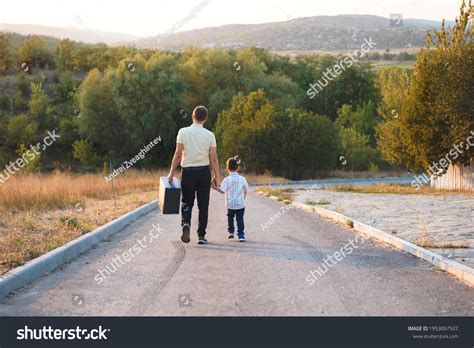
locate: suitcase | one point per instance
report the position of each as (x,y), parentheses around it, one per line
(169,196)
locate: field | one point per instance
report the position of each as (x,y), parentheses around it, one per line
(40,212)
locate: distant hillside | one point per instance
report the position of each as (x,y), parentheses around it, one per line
(76,34)
(342,32)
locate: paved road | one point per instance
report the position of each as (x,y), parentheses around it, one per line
(265,276)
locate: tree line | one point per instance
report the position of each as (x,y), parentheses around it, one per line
(107,102)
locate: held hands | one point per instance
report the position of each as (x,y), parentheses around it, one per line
(215,184)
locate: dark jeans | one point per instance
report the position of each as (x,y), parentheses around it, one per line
(239,216)
(195,180)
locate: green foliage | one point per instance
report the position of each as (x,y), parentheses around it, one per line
(34,53)
(436,112)
(268,139)
(304,144)
(373,168)
(356,149)
(243,128)
(22,85)
(66,55)
(355,86)
(363,119)
(84,152)
(118,99)
(125,108)
(69,130)
(39,108)
(64,89)
(4,53)
(100,119)
(20,130)
(32,158)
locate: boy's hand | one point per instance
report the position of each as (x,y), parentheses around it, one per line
(217,188)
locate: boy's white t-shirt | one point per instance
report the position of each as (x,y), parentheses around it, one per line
(234,186)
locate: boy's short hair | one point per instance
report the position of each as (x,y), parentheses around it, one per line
(200,113)
(233,163)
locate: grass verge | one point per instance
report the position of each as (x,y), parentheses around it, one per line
(397,189)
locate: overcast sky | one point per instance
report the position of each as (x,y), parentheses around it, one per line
(151,17)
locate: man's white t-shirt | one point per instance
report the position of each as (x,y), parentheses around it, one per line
(196,141)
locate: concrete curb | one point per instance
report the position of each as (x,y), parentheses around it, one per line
(35,268)
(462,272)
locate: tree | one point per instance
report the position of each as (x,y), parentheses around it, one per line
(362,118)
(125,108)
(242,129)
(393,83)
(33,158)
(437,110)
(39,108)
(99,118)
(293,143)
(66,55)
(354,86)
(34,53)
(84,152)
(356,150)
(4,53)
(215,75)
(304,144)
(20,130)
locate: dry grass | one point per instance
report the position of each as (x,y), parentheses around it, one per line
(60,190)
(347,174)
(425,241)
(27,234)
(320,202)
(452,245)
(40,212)
(283,194)
(396,189)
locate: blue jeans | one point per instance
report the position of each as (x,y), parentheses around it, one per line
(239,216)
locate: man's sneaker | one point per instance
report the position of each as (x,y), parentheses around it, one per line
(185,236)
(241,239)
(230,236)
(202,240)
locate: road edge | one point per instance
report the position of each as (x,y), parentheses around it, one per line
(462,272)
(34,269)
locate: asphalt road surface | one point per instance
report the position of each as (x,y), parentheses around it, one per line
(267,275)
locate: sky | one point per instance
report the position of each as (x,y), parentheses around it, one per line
(152,17)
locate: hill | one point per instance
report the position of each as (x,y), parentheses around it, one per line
(343,32)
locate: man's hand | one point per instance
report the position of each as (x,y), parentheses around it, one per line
(178,154)
(215,181)
(170,177)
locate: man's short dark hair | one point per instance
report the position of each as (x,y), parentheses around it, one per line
(200,113)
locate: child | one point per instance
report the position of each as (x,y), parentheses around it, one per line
(235,188)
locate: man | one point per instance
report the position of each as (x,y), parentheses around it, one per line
(196,149)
